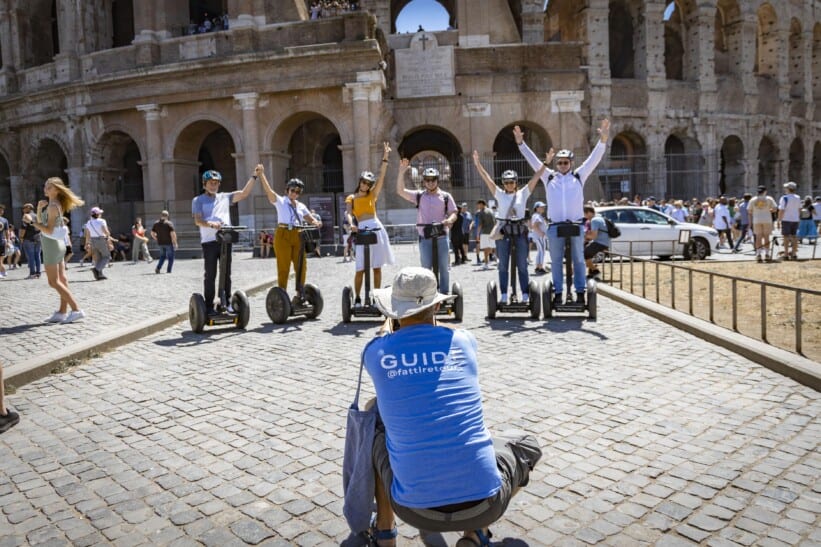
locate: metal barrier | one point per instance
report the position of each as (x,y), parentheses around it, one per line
(617,264)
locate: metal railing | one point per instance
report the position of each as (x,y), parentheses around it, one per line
(622,272)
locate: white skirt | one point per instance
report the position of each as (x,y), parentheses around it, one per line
(381,253)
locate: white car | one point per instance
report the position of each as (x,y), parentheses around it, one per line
(647,232)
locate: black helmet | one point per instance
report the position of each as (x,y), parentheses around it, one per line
(295,183)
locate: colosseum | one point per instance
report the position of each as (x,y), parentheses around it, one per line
(129,101)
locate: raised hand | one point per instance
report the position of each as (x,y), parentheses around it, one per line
(518,134)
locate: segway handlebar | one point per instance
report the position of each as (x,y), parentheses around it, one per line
(229,228)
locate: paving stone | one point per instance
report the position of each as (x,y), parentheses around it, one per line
(250,531)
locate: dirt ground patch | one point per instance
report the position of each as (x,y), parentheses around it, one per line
(676,279)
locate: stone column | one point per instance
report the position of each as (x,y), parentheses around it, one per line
(749,36)
(783,75)
(806,72)
(67,61)
(366,90)
(155,189)
(597,40)
(705,58)
(8,79)
(18,197)
(248,102)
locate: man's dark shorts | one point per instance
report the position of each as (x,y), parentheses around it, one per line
(789,228)
(593,248)
(515,458)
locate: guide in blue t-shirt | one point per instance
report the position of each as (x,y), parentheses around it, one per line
(437,466)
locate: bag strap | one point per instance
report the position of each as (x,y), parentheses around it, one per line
(359,383)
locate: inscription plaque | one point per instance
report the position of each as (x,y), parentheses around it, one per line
(425,69)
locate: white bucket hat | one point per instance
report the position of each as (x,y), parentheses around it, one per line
(414,290)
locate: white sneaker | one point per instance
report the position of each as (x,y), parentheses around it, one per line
(504,299)
(57,317)
(2,275)
(485,267)
(73,316)
(525,298)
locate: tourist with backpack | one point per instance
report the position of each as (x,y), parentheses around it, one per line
(565,202)
(596,238)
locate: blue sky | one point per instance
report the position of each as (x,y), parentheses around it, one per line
(428,13)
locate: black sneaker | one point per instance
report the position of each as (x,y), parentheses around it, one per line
(357,303)
(580,298)
(96,273)
(557,299)
(212,312)
(8,421)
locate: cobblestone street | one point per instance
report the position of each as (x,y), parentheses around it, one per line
(650,435)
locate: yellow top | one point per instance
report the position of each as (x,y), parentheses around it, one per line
(362,205)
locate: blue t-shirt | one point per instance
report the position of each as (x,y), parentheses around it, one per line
(597,223)
(216,209)
(427,388)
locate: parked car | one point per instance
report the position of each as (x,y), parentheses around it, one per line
(647,232)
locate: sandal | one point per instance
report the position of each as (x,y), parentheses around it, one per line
(483,541)
(375,535)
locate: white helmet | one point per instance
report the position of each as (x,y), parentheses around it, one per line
(510,174)
(564,153)
(430,173)
(368,177)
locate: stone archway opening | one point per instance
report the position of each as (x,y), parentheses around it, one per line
(120,170)
(406,24)
(816,169)
(315,155)
(625,171)
(795,169)
(768,165)
(684,165)
(434,147)
(122,22)
(201,146)
(674,31)
(732,174)
(766,55)
(506,153)
(727,38)
(38,32)
(562,21)
(622,40)
(49,161)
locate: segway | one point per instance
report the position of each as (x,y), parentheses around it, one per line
(308,300)
(454,306)
(239,311)
(366,238)
(566,230)
(533,306)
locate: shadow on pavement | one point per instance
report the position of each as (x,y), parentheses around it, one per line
(354,328)
(513,325)
(19,329)
(188,339)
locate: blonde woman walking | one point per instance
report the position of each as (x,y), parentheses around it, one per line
(52,227)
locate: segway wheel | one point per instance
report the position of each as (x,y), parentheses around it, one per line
(314,298)
(197,312)
(547,299)
(347,304)
(458,302)
(239,301)
(492,300)
(592,301)
(535,301)
(278,305)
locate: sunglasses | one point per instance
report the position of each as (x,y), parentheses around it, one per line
(562,162)
(295,190)
(430,180)
(509,181)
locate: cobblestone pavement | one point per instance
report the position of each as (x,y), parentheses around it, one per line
(650,435)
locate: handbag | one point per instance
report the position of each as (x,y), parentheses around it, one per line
(497,232)
(358,483)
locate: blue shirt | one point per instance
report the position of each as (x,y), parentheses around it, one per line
(212,209)
(742,211)
(427,389)
(597,223)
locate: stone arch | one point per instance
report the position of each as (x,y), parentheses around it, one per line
(310,145)
(122,22)
(795,169)
(768,163)
(118,165)
(506,154)
(562,21)
(766,58)
(622,30)
(732,173)
(398,5)
(202,145)
(48,159)
(728,38)
(796,60)
(625,165)
(674,34)
(434,146)
(38,32)
(683,163)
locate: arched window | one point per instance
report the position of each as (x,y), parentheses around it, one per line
(766,58)
(622,47)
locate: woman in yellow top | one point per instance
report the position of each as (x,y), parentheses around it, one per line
(360,210)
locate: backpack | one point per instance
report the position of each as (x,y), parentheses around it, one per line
(551,176)
(612,230)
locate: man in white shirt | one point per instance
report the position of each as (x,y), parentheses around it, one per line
(789,213)
(723,222)
(565,202)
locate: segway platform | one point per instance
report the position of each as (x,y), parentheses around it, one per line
(589,307)
(532,306)
(366,238)
(307,302)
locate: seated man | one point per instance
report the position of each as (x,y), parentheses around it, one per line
(436,465)
(596,239)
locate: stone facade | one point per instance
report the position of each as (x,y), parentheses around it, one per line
(705,97)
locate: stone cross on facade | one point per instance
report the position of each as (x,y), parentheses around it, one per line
(424,38)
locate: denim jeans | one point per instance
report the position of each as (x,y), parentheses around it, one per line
(743,235)
(503,253)
(32,250)
(443,253)
(211,257)
(557,254)
(166,251)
